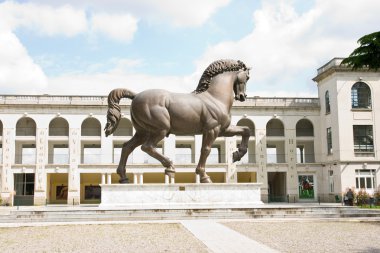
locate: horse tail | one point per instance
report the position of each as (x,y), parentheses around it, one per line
(114,111)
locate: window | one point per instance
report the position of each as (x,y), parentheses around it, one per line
(327,102)
(360,96)
(24,183)
(215,155)
(331,181)
(329,141)
(91,154)
(183,154)
(363,138)
(300,154)
(365,179)
(28,154)
(60,154)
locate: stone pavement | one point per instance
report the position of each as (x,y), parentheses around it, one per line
(221,239)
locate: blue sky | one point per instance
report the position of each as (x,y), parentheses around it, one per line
(91,47)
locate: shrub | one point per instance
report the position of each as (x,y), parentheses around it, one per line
(376,195)
(362,197)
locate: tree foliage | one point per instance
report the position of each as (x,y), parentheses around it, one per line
(367,55)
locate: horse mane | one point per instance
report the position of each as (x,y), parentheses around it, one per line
(216,68)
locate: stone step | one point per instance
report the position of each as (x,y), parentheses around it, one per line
(96,214)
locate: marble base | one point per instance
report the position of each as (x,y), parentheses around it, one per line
(175,196)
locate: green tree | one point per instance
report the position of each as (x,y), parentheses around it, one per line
(367,54)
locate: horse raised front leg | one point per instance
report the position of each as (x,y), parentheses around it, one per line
(207,141)
(127,149)
(244,132)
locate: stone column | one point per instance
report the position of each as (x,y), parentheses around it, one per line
(6,170)
(291,147)
(103,178)
(40,173)
(230,147)
(109,178)
(74,176)
(261,158)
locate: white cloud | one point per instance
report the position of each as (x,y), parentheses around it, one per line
(118,27)
(18,72)
(285,48)
(183,13)
(46,20)
(103,83)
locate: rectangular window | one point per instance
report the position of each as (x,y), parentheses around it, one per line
(331,181)
(24,183)
(329,141)
(183,154)
(300,154)
(271,154)
(60,154)
(28,154)
(91,154)
(365,179)
(363,138)
(215,155)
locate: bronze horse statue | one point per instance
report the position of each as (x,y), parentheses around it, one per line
(158,113)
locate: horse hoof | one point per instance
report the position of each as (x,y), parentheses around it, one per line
(124,181)
(170,172)
(235,156)
(206,179)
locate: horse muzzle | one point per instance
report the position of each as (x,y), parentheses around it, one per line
(240,97)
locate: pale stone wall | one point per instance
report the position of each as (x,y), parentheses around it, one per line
(332,174)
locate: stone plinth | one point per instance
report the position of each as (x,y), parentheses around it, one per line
(172,196)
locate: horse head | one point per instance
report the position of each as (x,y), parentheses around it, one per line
(241,84)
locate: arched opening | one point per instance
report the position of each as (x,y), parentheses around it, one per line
(124,128)
(275,148)
(360,96)
(59,127)
(250,156)
(26,127)
(304,128)
(275,128)
(247,123)
(91,127)
(26,143)
(305,146)
(58,141)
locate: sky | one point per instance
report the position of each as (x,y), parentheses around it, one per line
(91,47)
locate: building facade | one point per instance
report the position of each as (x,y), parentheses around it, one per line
(54,151)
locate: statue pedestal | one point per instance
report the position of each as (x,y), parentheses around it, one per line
(179,196)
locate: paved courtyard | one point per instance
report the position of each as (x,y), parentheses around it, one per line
(196,236)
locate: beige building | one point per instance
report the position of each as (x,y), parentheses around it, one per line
(54,151)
